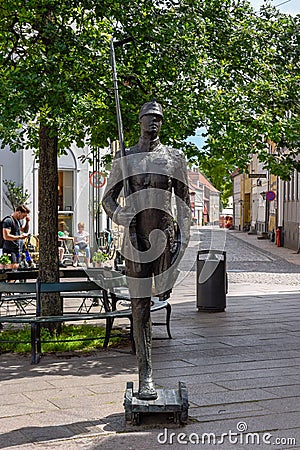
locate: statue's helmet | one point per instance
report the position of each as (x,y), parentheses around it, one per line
(151,108)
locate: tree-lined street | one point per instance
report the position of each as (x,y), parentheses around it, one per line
(218,65)
(240,366)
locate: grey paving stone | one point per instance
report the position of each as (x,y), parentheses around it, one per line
(90,380)
(14,399)
(292,390)
(254,367)
(228,410)
(162,376)
(252,395)
(272,355)
(250,383)
(242,364)
(22,409)
(288,404)
(54,393)
(21,386)
(11,440)
(84,403)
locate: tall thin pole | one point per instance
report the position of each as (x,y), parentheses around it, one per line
(119,118)
(132,230)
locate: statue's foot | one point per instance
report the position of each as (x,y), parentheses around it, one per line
(147,391)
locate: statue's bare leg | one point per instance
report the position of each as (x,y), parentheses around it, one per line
(142,333)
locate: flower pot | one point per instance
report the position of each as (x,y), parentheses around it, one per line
(100,265)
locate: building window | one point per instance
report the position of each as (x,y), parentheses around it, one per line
(65,190)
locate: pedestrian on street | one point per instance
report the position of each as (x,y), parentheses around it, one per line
(15,230)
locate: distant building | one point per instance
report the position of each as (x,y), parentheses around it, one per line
(266,205)
(205,199)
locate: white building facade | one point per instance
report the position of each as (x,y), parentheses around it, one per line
(76,190)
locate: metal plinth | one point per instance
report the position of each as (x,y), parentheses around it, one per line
(169,401)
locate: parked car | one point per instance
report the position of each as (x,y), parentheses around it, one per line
(226,221)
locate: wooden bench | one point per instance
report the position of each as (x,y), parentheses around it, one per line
(82,288)
(114,283)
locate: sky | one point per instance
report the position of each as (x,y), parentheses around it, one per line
(285,6)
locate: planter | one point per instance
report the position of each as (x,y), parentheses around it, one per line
(100,265)
(99,259)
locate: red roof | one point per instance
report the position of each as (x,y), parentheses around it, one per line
(195,177)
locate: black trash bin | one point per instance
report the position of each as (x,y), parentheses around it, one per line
(211,280)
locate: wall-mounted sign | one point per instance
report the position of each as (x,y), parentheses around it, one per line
(97,179)
(257,175)
(270,195)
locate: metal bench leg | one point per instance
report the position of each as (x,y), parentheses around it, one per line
(109,325)
(38,340)
(167,322)
(169,309)
(35,342)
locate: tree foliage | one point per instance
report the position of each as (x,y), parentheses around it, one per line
(254,99)
(15,195)
(211,63)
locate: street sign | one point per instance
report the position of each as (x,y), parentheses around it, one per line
(270,195)
(257,175)
(97,179)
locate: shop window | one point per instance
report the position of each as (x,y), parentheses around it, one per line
(65,190)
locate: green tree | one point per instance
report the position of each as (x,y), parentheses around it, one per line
(56,84)
(253,95)
(220,65)
(210,63)
(52,66)
(15,195)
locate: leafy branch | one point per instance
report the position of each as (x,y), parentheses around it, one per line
(15,195)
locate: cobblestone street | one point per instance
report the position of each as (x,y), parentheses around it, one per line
(245,262)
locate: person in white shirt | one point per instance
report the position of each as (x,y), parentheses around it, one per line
(81,243)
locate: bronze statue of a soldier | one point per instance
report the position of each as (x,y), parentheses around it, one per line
(156,222)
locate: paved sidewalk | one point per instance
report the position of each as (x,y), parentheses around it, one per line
(265,244)
(241,367)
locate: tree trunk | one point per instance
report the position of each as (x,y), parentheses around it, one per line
(48,220)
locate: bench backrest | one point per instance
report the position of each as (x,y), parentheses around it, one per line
(17,288)
(104,281)
(65,286)
(107,279)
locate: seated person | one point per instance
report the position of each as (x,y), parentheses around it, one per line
(81,243)
(61,252)
(63,235)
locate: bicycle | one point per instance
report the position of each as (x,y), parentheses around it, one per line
(106,243)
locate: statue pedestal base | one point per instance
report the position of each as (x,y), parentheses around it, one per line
(173,402)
